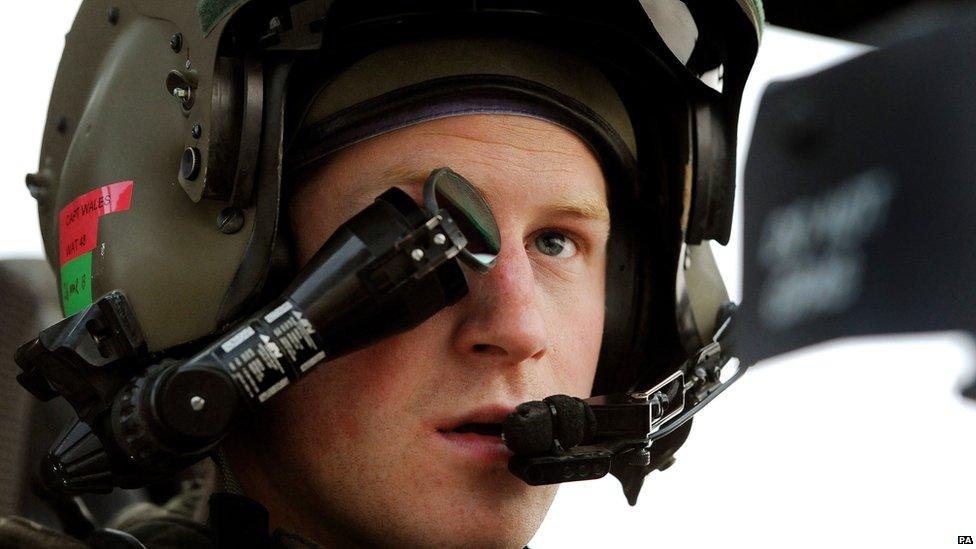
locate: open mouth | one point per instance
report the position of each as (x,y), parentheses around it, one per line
(486,429)
(477,435)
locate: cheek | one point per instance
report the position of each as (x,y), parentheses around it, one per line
(575,320)
(308,231)
(348,403)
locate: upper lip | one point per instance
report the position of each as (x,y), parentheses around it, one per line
(491,413)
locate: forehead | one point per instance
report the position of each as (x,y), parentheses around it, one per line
(509,158)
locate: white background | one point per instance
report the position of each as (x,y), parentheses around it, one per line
(852,444)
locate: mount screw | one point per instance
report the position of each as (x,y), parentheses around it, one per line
(197,403)
(230,220)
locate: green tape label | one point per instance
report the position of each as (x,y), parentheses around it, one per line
(76,292)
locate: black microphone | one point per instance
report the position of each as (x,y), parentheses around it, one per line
(559,423)
(564,439)
(555,423)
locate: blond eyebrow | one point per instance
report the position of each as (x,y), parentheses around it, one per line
(402,175)
(582,209)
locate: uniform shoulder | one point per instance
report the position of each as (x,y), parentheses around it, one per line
(25,534)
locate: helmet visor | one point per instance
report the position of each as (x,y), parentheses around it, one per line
(706,40)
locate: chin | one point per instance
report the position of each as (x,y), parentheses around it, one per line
(494,534)
(440,508)
(497,519)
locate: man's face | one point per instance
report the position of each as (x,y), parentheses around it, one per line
(366,450)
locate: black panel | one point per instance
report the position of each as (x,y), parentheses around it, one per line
(859,199)
(866,21)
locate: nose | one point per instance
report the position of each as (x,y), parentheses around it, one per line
(500,319)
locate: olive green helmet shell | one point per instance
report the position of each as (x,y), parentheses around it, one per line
(188,247)
(113,119)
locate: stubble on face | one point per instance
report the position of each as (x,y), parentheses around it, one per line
(355,453)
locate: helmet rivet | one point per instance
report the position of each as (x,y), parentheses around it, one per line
(113,15)
(440,239)
(417,254)
(190,163)
(176,42)
(196,131)
(230,220)
(197,403)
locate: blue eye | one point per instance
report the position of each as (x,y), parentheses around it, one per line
(555,244)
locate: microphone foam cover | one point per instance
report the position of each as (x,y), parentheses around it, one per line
(574,421)
(529,429)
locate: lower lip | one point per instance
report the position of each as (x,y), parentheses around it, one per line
(481,448)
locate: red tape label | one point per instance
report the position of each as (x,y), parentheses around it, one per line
(78,221)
